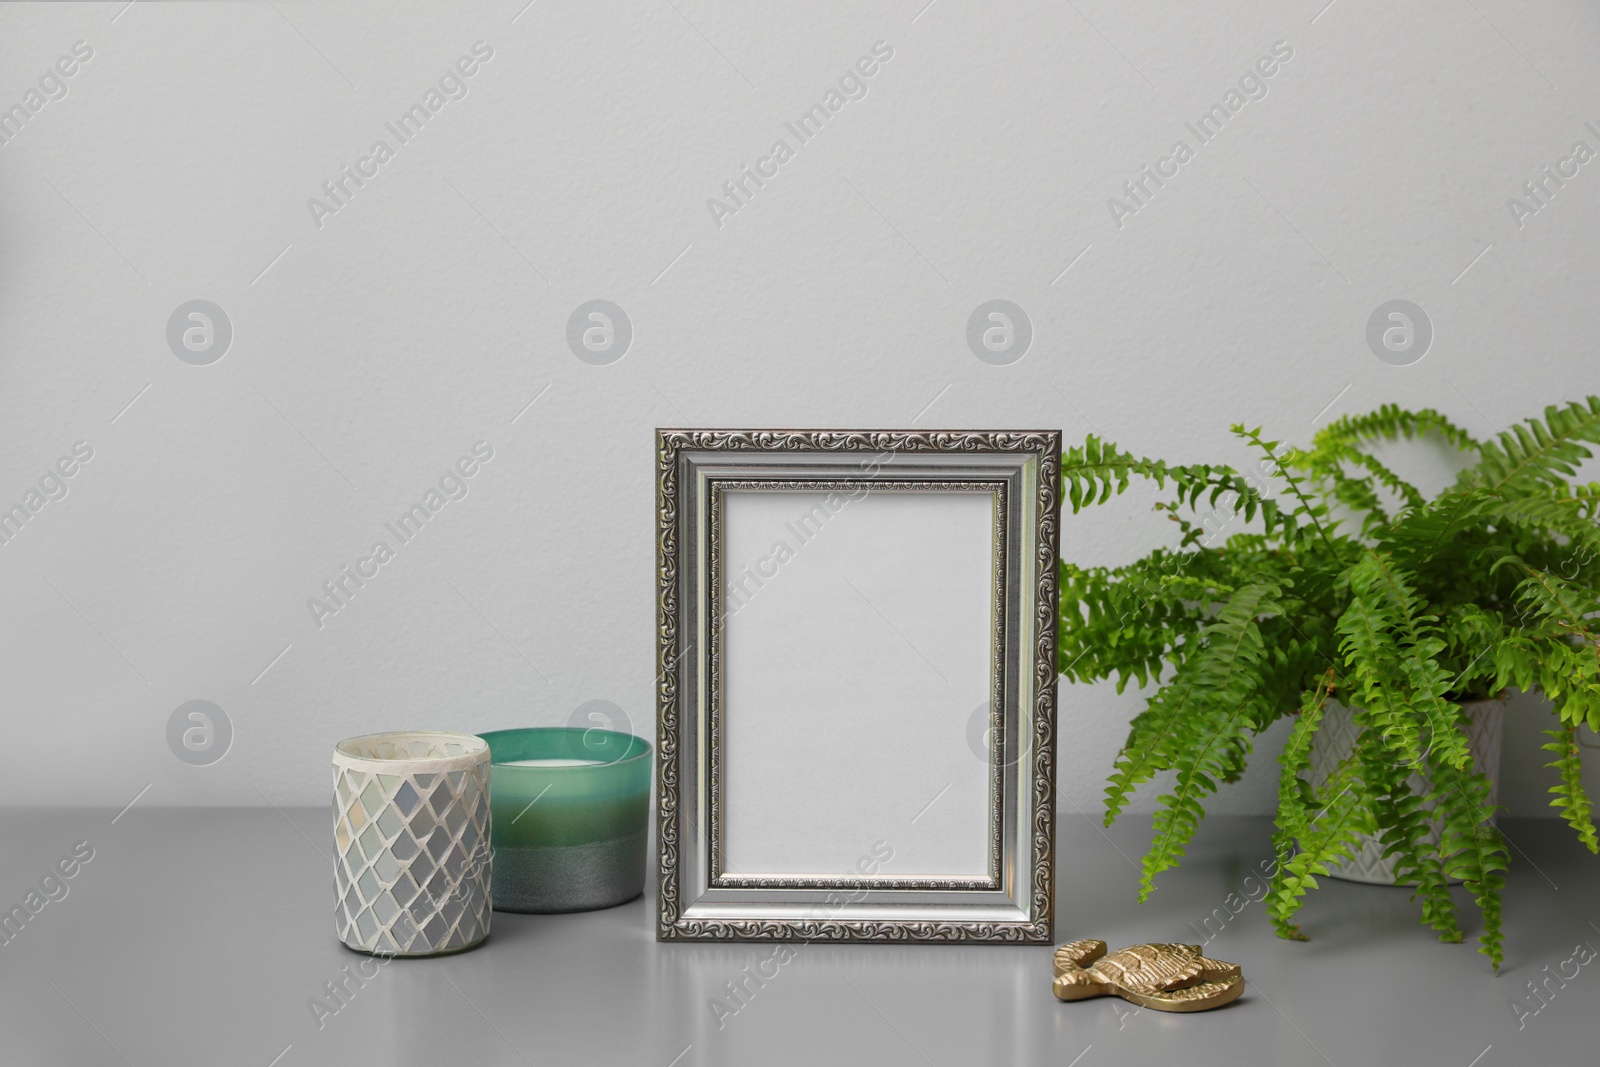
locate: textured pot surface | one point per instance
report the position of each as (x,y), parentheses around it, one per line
(569,835)
(1336,738)
(411,828)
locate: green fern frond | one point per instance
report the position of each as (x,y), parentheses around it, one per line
(1311,512)
(1110,627)
(1155,737)
(1344,442)
(1538,451)
(1387,646)
(1392,422)
(1486,894)
(1425,530)
(1569,674)
(1554,599)
(1295,795)
(1414,695)
(1330,836)
(1220,703)
(1405,827)
(1097,470)
(1473,849)
(1121,622)
(1571,800)
(1475,637)
(1359,494)
(1558,509)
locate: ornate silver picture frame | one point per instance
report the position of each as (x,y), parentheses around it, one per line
(856,645)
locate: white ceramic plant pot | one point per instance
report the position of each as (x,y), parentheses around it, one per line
(1337,736)
(411,827)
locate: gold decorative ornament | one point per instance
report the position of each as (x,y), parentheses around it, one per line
(1160,976)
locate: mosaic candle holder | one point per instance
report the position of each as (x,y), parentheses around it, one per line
(411,827)
(570,811)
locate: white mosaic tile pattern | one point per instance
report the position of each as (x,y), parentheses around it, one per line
(413,868)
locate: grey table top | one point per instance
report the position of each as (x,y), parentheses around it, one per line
(199,937)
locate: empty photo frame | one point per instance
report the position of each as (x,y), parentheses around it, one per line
(856,642)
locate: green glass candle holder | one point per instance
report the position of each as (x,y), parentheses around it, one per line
(570,810)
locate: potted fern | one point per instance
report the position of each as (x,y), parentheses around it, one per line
(1350,590)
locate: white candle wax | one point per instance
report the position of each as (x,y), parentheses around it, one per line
(550,763)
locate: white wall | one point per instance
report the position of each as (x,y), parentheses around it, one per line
(372,351)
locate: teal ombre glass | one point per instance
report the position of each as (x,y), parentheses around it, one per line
(568,837)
